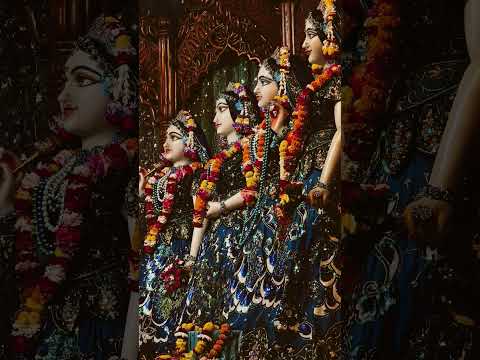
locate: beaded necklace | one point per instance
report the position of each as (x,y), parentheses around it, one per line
(42,273)
(261,164)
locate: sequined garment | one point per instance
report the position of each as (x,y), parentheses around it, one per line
(395,310)
(291,281)
(157,311)
(218,251)
(312,301)
(86,321)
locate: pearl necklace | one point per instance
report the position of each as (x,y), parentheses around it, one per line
(159,191)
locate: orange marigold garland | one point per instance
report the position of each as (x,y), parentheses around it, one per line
(291,147)
(208,181)
(250,169)
(211,342)
(364,98)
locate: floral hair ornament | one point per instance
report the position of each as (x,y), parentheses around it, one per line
(284,64)
(327,24)
(279,65)
(244,102)
(109,42)
(195,143)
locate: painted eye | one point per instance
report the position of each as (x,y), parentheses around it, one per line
(82,80)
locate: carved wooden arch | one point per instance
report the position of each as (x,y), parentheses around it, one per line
(250,28)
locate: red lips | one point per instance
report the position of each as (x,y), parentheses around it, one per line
(68,110)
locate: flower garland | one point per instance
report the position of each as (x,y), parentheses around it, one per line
(205,337)
(174,276)
(66,183)
(208,181)
(284,65)
(165,180)
(242,122)
(190,151)
(291,147)
(252,164)
(364,100)
(330,47)
(210,176)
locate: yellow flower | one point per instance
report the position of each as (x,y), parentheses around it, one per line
(34,318)
(33,305)
(180,342)
(59,253)
(22,318)
(187,356)
(163,357)
(283,146)
(150,240)
(209,326)
(122,42)
(188,326)
(23,195)
(110,19)
(284,199)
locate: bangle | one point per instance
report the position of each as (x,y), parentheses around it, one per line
(322,185)
(223,207)
(435,193)
(189,257)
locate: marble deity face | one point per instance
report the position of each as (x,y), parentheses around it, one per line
(266,87)
(174,145)
(83,101)
(223,121)
(312,45)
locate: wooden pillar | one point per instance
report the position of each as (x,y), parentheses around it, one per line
(167,91)
(288,24)
(157,85)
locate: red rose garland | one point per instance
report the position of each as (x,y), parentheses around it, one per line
(155,222)
(39,287)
